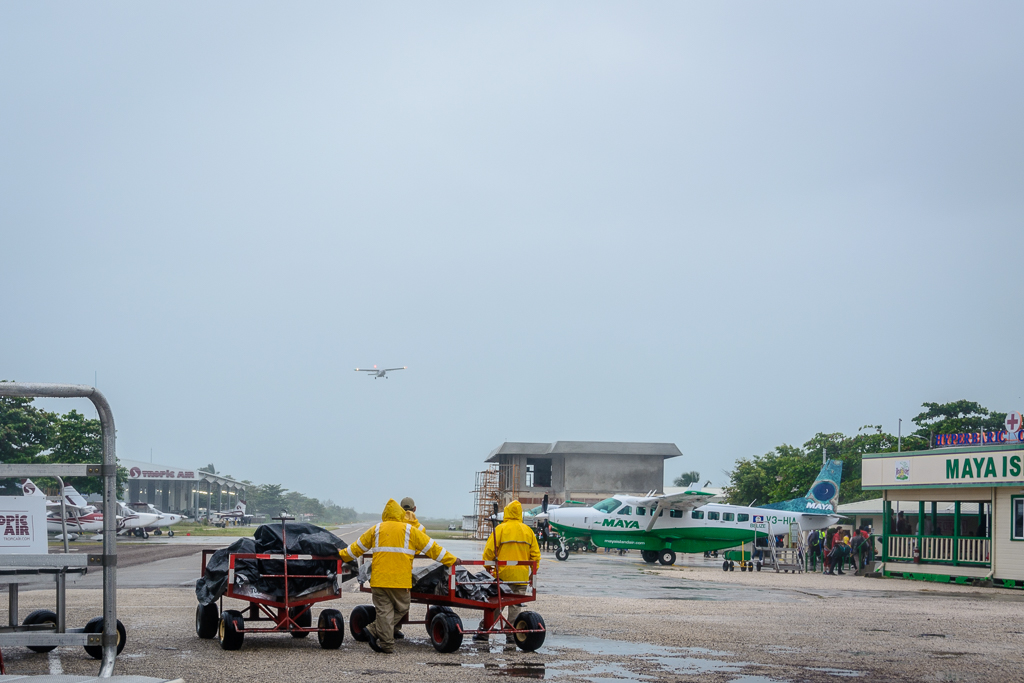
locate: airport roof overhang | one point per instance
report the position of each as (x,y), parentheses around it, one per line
(622,448)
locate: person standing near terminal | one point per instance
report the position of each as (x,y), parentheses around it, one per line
(393,543)
(513,541)
(814,544)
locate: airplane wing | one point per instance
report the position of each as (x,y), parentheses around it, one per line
(366,369)
(687,500)
(393,369)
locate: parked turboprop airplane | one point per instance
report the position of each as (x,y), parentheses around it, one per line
(164,519)
(380,372)
(693,525)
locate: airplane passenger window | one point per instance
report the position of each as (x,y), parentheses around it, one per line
(641,511)
(712,515)
(625,511)
(607,505)
(697,514)
(742,517)
(675,513)
(727,516)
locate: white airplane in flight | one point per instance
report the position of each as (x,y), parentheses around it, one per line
(380,372)
(164,519)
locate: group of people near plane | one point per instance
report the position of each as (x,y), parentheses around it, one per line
(835,548)
(399,537)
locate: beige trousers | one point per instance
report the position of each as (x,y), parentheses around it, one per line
(391,604)
(514,610)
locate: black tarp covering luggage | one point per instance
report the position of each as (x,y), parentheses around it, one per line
(250,575)
(433,580)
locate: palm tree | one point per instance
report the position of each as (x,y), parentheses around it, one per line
(687,478)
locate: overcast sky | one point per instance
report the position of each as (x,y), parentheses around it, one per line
(724,225)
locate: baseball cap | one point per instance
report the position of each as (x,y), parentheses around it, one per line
(408,503)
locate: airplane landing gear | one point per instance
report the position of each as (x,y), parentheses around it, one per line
(667,557)
(561,553)
(649,556)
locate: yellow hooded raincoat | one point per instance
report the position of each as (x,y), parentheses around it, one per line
(513,540)
(410,517)
(393,543)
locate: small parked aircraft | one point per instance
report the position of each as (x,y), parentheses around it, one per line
(693,525)
(237,515)
(164,519)
(380,372)
(79,516)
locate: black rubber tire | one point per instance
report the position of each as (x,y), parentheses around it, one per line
(743,567)
(330,618)
(758,566)
(562,554)
(446,632)
(170,532)
(528,642)
(649,556)
(725,566)
(228,632)
(95,625)
(157,532)
(303,616)
(361,617)
(207,620)
(433,611)
(41,616)
(667,557)
(732,566)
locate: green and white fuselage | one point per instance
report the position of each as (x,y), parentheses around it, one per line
(688,523)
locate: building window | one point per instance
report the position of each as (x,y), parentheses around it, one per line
(1017,506)
(625,511)
(742,517)
(538,472)
(697,514)
(712,515)
(727,516)
(641,511)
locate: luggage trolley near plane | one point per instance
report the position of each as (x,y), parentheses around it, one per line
(292,615)
(444,626)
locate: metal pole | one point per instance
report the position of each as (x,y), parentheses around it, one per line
(899,437)
(109,473)
(12,604)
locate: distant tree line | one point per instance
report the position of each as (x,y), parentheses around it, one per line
(788,471)
(31,435)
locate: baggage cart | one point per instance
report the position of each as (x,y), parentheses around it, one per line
(444,626)
(266,614)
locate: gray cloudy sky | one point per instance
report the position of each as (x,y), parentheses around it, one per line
(726,225)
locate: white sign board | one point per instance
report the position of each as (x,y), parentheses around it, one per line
(23,525)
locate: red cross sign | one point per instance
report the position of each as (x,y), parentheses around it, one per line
(1013,421)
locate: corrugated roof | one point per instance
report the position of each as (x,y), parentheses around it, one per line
(665,450)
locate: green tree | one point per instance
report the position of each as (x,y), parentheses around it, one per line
(267,499)
(25,431)
(687,478)
(79,440)
(209,468)
(956,417)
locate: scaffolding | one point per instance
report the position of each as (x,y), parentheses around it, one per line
(495,487)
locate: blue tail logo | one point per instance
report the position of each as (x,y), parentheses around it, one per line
(823,496)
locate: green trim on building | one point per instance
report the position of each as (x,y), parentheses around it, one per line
(984,448)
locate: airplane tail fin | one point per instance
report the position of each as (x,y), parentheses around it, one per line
(241,506)
(74,498)
(29,488)
(823,496)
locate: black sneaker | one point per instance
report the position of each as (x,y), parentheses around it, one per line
(399,635)
(372,640)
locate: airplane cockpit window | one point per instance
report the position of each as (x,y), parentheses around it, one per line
(625,511)
(675,513)
(697,514)
(727,516)
(607,505)
(742,517)
(712,515)
(535,511)
(641,511)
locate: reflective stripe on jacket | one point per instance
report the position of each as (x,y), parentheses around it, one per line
(393,543)
(513,541)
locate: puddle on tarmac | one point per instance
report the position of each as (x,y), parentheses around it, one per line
(848,673)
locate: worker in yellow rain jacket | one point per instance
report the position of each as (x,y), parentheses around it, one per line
(393,543)
(513,540)
(409,505)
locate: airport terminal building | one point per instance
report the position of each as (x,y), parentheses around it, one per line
(181,490)
(953,513)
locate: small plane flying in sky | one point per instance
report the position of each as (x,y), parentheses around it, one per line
(381,372)
(693,525)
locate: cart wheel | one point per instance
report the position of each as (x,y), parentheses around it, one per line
(330,619)
(528,642)
(725,566)
(207,619)
(758,566)
(95,625)
(229,633)
(302,618)
(743,566)
(562,554)
(732,566)
(361,617)
(667,557)
(170,532)
(41,616)
(649,556)
(446,632)
(433,611)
